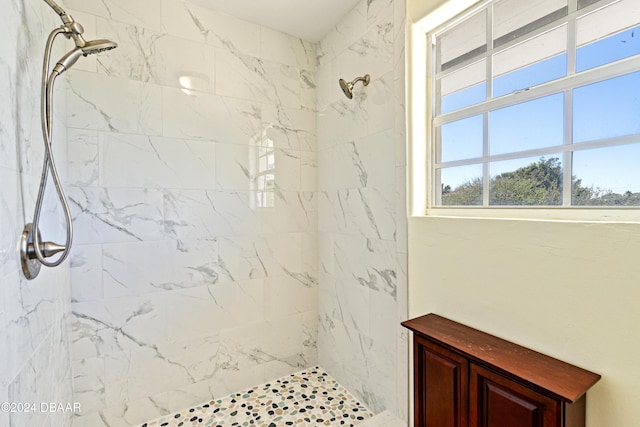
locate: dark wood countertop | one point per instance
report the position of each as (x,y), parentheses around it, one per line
(559,379)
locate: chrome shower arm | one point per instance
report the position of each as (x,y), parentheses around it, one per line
(70,27)
(60,11)
(366,79)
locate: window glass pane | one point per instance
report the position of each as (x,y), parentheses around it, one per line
(610,49)
(621,15)
(515,18)
(270,181)
(461,186)
(531,63)
(266,199)
(607,176)
(526,182)
(532,75)
(463,41)
(461,139)
(464,87)
(584,3)
(464,98)
(607,109)
(526,126)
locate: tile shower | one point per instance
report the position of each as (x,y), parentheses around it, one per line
(35,363)
(193,274)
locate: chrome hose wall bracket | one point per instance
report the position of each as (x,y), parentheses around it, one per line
(28,259)
(30,264)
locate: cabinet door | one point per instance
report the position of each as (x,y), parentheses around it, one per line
(496,401)
(441,386)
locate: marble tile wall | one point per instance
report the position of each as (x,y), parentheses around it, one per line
(362,231)
(194,271)
(34,343)
(193,275)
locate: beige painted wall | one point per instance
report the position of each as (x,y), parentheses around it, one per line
(567,289)
(418,9)
(570,290)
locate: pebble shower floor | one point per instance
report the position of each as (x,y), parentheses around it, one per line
(307,398)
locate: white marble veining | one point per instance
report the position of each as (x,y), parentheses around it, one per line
(100,102)
(83,157)
(290,128)
(34,341)
(185,285)
(109,215)
(193,22)
(243,76)
(209,116)
(132,269)
(362,206)
(286,49)
(197,214)
(119,324)
(143,13)
(141,161)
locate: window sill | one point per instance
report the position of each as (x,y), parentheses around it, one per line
(528,213)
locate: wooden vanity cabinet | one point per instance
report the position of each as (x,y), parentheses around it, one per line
(467,378)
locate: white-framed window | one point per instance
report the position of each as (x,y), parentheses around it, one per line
(535,103)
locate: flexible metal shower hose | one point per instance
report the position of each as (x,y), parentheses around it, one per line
(49,161)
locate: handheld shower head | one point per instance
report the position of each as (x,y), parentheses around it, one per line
(347,87)
(97,46)
(67,61)
(88,48)
(73,30)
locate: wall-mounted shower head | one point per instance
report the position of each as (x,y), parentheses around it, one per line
(347,87)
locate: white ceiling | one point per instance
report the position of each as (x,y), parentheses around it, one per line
(307,19)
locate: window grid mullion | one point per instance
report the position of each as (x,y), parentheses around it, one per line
(486,181)
(557,149)
(433,59)
(567,157)
(485,165)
